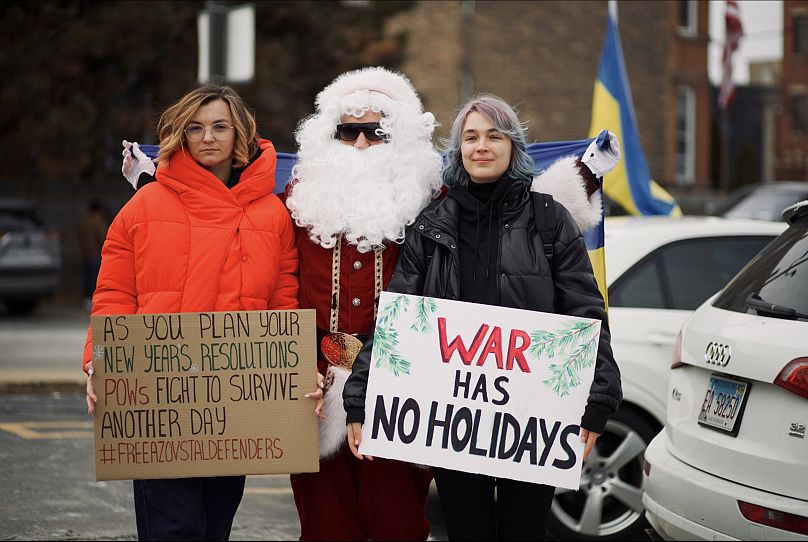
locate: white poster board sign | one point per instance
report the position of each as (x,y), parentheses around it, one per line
(479,388)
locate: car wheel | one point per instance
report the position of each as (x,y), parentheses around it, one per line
(608,505)
(22,305)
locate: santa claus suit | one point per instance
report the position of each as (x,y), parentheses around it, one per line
(352,499)
(347,238)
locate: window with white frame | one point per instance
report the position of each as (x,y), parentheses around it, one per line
(685,135)
(688,17)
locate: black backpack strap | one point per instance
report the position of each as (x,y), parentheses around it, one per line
(544,215)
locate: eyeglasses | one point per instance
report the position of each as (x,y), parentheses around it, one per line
(196,133)
(350,131)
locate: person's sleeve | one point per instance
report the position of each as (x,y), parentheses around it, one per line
(408,278)
(284,297)
(144,179)
(115,291)
(577,294)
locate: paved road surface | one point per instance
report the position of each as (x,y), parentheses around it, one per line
(49,490)
(46,456)
(45,347)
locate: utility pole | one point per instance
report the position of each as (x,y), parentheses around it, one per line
(217,53)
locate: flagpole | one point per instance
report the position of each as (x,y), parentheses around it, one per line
(732,35)
(725,151)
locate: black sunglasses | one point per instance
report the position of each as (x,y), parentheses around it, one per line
(351,131)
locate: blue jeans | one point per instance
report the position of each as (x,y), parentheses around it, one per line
(187,508)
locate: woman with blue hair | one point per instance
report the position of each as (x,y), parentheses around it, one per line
(492,240)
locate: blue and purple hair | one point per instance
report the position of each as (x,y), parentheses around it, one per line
(507,122)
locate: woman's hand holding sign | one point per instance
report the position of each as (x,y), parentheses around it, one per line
(92,398)
(317,395)
(588,438)
(355,439)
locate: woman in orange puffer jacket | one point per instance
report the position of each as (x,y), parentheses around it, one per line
(209,235)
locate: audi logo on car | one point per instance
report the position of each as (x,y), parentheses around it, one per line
(718,354)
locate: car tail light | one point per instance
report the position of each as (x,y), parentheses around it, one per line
(774,518)
(676,359)
(647,468)
(794,377)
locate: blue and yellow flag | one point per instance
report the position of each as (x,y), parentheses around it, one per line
(629,183)
(544,154)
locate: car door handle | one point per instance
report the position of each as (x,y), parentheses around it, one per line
(660,338)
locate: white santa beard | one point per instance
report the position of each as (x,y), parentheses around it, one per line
(370,195)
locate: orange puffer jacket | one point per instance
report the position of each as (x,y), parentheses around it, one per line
(188,244)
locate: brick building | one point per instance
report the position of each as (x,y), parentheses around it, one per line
(543,58)
(792,125)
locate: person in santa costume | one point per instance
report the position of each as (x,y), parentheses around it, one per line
(366,167)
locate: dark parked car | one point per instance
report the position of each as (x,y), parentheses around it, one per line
(30,256)
(763,201)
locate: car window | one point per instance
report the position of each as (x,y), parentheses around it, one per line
(683,274)
(766,203)
(18,221)
(639,287)
(779,274)
(698,268)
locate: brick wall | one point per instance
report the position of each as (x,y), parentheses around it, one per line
(543,58)
(792,146)
(433,57)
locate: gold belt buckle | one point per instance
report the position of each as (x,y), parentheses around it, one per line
(340,349)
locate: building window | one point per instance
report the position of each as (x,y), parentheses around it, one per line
(800,24)
(688,17)
(799,121)
(685,135)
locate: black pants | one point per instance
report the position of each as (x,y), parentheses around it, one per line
(519,511)
(187,508)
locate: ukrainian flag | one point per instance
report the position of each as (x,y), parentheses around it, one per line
(629,183)
(544,154)
(594,239)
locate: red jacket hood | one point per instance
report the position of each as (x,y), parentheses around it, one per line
(188,178)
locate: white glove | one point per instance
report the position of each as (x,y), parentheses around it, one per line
(601,160)
(135,162)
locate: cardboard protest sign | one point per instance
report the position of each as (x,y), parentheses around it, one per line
(204,394)
(479,388)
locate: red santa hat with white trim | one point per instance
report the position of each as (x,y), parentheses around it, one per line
(392,84)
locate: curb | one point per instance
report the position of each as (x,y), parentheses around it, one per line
(41,387)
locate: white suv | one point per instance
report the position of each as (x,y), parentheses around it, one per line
(732,462)
(658,270)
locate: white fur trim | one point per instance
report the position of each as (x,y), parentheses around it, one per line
(564,182)
(394,85)
(333,432)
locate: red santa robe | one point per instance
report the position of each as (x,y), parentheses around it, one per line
(351,499)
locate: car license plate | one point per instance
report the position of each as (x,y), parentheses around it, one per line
(723,404)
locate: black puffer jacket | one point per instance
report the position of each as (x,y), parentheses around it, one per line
(429,265)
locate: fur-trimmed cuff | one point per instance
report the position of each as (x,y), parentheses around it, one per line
(333,434)
(563,181)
